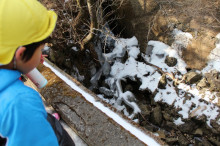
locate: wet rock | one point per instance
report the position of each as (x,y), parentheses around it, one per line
(156,116)
(163,82)
(170,61)
(192,77)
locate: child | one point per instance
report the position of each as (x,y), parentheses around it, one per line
(24,26)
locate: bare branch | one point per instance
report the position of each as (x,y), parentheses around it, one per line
(93,23)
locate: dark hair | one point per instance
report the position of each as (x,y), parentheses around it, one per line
(30,49)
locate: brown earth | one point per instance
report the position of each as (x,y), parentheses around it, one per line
(156,19)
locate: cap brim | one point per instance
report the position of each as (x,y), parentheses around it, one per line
(7,56)
(53,20)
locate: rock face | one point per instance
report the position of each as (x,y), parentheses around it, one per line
(155,20)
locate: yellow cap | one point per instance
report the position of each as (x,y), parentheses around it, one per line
(23,22)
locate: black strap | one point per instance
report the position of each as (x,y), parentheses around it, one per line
(3,141)
(62,136)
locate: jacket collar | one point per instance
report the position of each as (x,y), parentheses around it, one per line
(7,77)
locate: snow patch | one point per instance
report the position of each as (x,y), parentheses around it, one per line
(178,121)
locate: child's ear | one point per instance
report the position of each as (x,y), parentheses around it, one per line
(19,53)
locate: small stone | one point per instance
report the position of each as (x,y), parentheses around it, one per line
(198,132)
(163,82)
(192,77)
(170,61)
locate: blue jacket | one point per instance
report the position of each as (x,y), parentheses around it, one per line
(23,118)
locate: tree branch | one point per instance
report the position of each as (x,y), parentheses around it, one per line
(93,23)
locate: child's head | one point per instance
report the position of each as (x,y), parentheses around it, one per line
(24,26)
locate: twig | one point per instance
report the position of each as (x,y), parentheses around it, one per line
(171,75)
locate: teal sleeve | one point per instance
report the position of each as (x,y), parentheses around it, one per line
(26,124)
